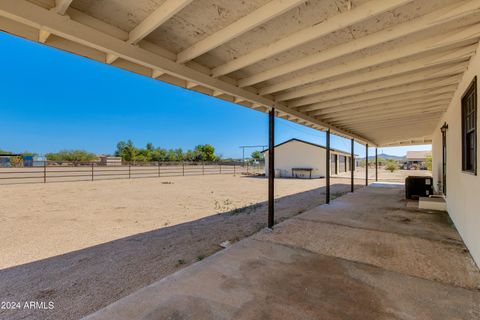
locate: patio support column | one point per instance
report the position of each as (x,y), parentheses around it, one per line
(352,167)
(366,164)
(327,180)
(376,164)
(271,167)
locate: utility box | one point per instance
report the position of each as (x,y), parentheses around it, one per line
(418,186)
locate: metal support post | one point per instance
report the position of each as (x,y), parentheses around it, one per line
(352,167)
(45,171)
(271,167)
(327,169)
(366,164)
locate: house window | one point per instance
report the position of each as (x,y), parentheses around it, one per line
(469,128)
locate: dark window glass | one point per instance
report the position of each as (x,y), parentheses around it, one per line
(469,128)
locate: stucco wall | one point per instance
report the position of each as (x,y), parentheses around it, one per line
(463,189)
(296,154)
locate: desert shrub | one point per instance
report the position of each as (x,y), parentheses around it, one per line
(428,163)
(71,155)
(391,165)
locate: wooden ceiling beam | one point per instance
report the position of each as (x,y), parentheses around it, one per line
(460,37)
(394,92)
(444,98)
(252,20)
(330,25)
(450,59)
(407,28)
(416,97)
(420,79)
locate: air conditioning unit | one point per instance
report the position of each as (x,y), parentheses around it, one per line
(418,186)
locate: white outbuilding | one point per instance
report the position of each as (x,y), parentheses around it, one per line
(297,158)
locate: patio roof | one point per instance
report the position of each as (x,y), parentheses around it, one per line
(379,71)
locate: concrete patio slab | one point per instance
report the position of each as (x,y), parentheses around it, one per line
(261,280)
(309,269)
(383,207)
(408,255)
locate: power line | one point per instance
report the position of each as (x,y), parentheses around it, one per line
(249,147)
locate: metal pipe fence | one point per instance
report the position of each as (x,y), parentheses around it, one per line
(53,171)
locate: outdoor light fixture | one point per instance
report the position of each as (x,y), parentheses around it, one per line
(444,128)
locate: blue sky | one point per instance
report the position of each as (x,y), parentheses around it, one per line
(52,100)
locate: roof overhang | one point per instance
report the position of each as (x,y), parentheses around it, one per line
(379,71)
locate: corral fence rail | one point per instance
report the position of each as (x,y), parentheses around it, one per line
(55,171)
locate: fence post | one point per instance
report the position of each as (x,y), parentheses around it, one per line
(247,167)
(220,168)
(234,168)
(129,170)
(159,168)
(92,171)
(203,167)
(44,171)
(183,167)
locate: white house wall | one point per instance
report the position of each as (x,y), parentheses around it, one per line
(463,189)
(297,154)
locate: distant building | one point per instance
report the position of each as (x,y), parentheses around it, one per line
(416,159)
(110,161)
(28,161)
(6,159)
(297,158)
(39,161)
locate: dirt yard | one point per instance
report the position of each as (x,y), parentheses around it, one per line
(83,245)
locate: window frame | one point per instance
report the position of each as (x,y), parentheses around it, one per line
(471,87)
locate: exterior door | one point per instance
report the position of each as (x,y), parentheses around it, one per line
(333,164)
(342,163)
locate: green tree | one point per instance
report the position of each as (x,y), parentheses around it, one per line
(428,163)
(175,155)
(75,156)
(147,152)
(126,150)
(257,155)
(205,152)
(190,156)
(391,165)
(159,154)
(381,161)
(141,158)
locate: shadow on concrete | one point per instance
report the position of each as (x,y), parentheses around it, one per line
(83,281)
